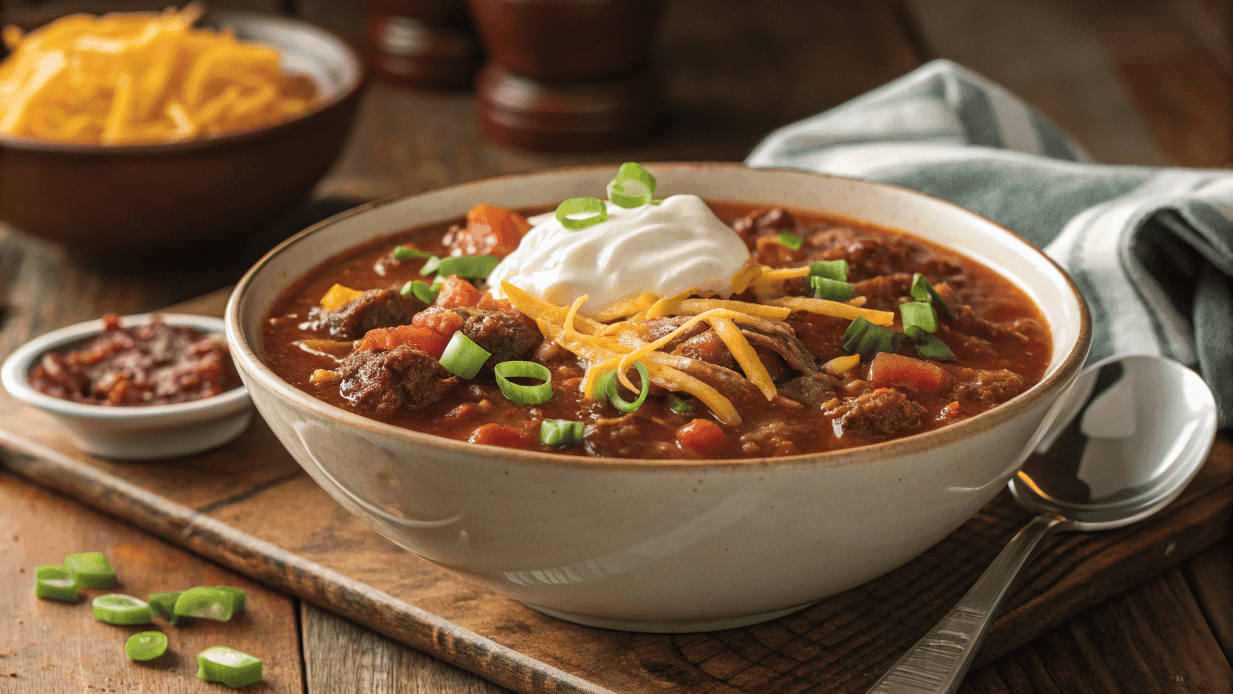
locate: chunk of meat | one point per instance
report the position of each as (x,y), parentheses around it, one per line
(709,348)
(658,327)
(879,413)
(884,292)
(781,339)
(773,439)
(814,390)
(507,336)
(627,436)
(382,383)
(375,308)
(977,386)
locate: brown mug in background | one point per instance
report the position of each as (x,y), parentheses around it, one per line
(427,44)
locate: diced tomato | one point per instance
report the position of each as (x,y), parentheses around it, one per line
(491,231)
(455,292)
(700,435)
(441,320)
(889,370)
(497,435)
(487,301)
(414,336)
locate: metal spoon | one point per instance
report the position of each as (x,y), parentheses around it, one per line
(1132,434)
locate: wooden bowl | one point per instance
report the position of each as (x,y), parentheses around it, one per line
(155,199)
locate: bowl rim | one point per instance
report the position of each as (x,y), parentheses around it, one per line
(347,92)
(15,372)
(246,359)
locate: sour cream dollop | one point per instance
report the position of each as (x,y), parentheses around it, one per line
(667,248)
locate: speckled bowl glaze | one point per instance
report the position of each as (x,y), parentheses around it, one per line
(669,545)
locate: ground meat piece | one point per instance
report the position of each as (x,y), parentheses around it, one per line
(773,439)
(709,348)
(879,413)
(383,383)
(885,291)
(630,436)
(987,387)
(507,336)
(811,391)
(375,308)
(971,324)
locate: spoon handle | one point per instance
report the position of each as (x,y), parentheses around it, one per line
(937,662)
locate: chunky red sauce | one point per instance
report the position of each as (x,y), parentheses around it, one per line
(1000,341)
(152,364)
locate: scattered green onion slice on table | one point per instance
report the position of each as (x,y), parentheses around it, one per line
(474,266)
(919,314)
(462,357)
(146,645)
(922,290)
(929,346)
(420,290)
(122,609)
(209,602)
(832,290)
(229,666)
(408,253)
(55,583)
(866,339)
(830,269)
(524,395)
(790,240)
(239,594)
(608,381)
(576,206)
(92,569)
(560,432)
(631,172)
(165,604)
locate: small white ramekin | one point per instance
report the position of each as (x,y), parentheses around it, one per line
(137,432)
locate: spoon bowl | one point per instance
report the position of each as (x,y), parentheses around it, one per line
(1129,437)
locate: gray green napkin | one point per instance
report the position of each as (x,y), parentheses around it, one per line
(1150,248)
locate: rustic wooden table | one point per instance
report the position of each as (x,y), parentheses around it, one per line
(1136,82)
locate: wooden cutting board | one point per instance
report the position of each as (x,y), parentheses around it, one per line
(249,507)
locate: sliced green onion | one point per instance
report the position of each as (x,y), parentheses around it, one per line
(832,290)
(680,406)
(92,569)
(430,265)
(122,609)
(918,314)
(929,346)
(408,253)
(462,357)
(791,241)
(524,395)
(560,432)
(608,381)
(830,269)
(420,290)
(922,290)
(164,604)
(575,206)
(475,266)
(146,645)
(55,583)
(631,172)
(229,666)
(866,339)
(436,283)
(208,602)
(239,594)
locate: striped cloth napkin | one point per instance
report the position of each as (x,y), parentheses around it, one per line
(1150,248)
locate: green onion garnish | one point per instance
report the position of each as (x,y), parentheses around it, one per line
(922,290)
(92,569)
(631,172)
(238,594)
(607,384)
(866,339)
(165,604)
(420,290)
(55,583)
(680,406)
(437,282)
(476,266)
(408,253)
(122,609)
(791,241)
(430,265)
(229,666)
(524,395)
(833,290)
(918,314)
(146,645)
(595,208)
(830,269)
(560,432)
(209,602)
(462,357)
(929,346)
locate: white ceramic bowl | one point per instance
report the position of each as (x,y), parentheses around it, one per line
(662,545)
(131,433)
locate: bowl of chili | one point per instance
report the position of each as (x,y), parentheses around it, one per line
(625,513)
(140,387)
